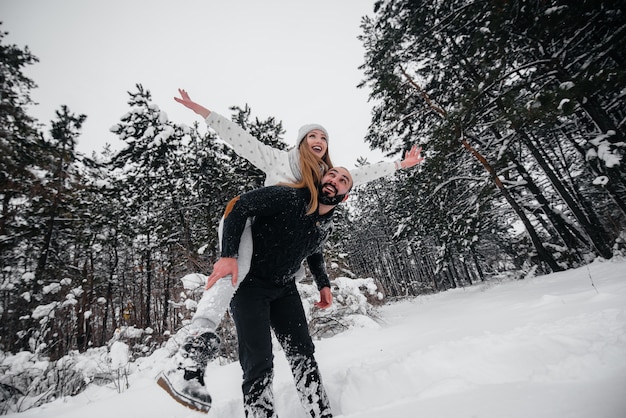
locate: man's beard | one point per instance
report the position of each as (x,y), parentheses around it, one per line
(324,199)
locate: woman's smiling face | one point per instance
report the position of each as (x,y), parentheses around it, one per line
(317,142)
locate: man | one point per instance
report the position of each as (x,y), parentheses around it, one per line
(283,236)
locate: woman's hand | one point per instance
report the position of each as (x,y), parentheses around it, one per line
(412,157)
(186,101)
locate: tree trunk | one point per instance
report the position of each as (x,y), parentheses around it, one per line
(146,314)
(592,227)
(477,264)
(570,236)
(45,250)
(542,253)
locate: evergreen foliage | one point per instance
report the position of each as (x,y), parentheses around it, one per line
(519,105)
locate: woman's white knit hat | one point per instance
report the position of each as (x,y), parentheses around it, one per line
(308,128)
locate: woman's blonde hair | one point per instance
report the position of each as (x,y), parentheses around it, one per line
(313,169)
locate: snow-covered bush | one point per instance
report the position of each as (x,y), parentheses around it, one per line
(140,342)
(354,305)
(28,380)
(120,358)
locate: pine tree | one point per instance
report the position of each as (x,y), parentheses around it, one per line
(150,186)
(486,78)
(20,146)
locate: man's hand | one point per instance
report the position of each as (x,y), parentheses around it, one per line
(186,101)
(225,266)
(412,157)
(326,298)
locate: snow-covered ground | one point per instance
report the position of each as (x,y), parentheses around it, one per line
(545,347)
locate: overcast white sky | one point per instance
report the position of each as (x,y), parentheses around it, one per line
(294,60)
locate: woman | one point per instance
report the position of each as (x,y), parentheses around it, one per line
(289,166)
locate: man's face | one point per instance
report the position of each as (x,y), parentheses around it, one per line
(336,182)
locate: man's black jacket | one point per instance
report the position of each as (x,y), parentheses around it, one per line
(282,233)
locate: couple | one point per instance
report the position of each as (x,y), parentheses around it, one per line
(291,223)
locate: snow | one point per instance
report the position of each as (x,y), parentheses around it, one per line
(543,347)
(605,149)
(601,181)
(52,288)
(44,311)
(194,281)
(562,103)
(119,355)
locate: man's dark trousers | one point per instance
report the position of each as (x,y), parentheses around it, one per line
(256,306)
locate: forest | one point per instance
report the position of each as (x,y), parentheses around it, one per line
(519,107)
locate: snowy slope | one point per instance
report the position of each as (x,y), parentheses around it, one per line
(546,347)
